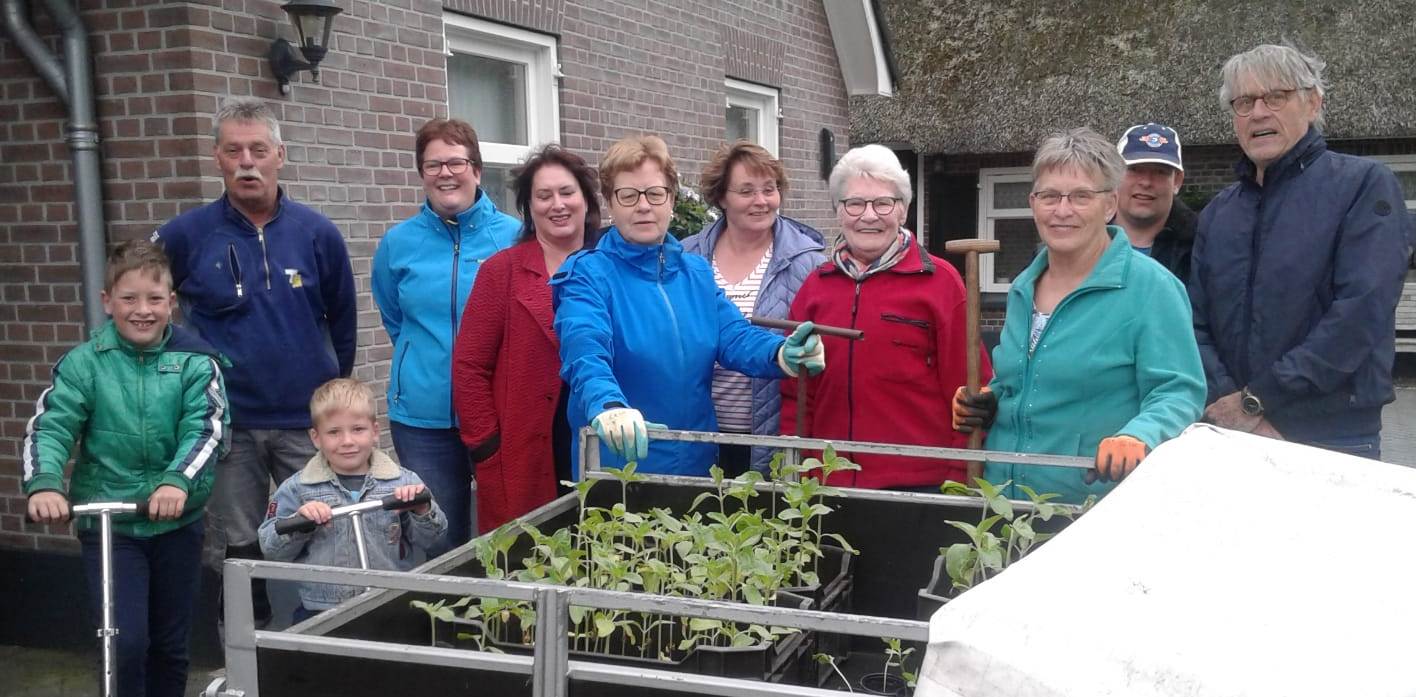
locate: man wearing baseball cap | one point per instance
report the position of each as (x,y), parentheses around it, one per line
(1158,223)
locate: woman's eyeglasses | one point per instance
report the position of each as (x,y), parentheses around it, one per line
(456,165)
(882,205)
(1081,198)
(628,196)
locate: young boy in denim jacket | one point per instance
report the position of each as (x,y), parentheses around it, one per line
(349,468)
(146,405)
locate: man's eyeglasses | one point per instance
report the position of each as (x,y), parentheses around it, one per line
(1081,198)
(456,165)
(628,196)
(1274,100)
(882,205)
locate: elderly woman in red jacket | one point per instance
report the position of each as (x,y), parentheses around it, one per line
(506,363)
(895,385)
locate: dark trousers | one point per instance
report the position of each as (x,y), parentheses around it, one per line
(155,585)
(443,463)
(1367,445)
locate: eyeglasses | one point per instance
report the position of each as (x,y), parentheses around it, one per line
(629,196)
(749,193)
(456,165)
(1274,100)
(882,205)
(1081,198)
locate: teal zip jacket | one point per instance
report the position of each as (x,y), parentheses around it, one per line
(422,274)
(142,419)
(1118,357)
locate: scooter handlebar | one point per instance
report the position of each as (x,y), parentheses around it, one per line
(299,523)
(137,508)
(391,503)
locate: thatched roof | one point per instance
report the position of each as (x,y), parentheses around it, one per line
(979,76)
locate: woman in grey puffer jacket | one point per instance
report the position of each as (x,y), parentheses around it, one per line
(759,259)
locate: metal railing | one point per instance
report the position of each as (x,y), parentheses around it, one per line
(549,664)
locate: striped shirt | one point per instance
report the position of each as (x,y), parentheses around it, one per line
(732,391)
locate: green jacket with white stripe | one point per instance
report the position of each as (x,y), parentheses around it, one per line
(141,418)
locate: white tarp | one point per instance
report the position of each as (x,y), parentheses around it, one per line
(1227,565)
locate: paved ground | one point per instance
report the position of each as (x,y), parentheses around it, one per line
(47,673)
(1399,427)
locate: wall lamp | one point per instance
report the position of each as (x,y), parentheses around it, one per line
(313,20)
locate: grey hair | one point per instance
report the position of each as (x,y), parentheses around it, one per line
(245,109)
(1083,149)
(872,162)
(1274,68)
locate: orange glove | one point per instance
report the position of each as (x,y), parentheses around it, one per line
(973,411)
(1117,457)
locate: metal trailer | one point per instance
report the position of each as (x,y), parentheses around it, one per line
(550,669)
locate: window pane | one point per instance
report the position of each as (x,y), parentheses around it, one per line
(1011,194)
(1018,242)
(496,182)
(1408,183)
(490,94)
(742,123)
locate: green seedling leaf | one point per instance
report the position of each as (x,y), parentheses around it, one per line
(703,624)
(604,625)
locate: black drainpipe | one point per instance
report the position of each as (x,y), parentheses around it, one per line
(72,82)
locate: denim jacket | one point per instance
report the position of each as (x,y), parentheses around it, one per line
(390,535)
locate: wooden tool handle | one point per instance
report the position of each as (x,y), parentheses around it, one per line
(971,245)
(791,325)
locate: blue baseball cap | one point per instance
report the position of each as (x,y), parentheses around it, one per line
(1150,142)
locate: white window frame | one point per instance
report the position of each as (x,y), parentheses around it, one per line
(1400,163)
(469,35)
(766,100)
(988,216)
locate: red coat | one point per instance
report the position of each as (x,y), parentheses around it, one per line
(506,384)
(895,385)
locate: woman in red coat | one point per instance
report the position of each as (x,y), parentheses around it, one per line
(895,385)
(505,365)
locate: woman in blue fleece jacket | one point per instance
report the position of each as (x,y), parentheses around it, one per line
(641,324)
(423,271)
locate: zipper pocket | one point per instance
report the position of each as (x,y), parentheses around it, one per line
(233,264)
(900,319)
(398,372)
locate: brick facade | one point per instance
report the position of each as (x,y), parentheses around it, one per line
(162,67)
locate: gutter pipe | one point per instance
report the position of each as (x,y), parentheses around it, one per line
(72,83)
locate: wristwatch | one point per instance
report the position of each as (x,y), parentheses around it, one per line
(1250,403)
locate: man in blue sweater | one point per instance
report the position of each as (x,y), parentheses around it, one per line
(1297,268)
(267,281)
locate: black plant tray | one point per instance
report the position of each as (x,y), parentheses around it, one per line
(933,596)
(898,539)
(781,660)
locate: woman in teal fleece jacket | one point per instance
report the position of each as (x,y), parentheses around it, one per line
(1097,357)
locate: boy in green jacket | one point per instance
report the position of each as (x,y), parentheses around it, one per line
(146,404)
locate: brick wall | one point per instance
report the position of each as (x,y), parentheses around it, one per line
(659,67)
(162,68)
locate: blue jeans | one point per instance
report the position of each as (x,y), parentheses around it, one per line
(155,585)
(443,463)
(1368,446)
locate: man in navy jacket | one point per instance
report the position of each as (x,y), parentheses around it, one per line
(1297,268)
(267,281)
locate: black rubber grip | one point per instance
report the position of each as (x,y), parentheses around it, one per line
(295,523)
(390,503)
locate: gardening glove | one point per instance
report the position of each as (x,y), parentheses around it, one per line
(624,431)
(802,348)
(974,411)
(1117,457)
